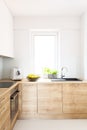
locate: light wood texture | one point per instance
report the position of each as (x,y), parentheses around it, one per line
(5,112)
(75,98)
(29,100)
(6,124)
(49,98)
(3,91)
(4,99)
(62,116)
(5,106)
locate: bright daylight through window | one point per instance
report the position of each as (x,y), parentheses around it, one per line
(45,51)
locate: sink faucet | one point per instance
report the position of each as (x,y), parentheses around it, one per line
(63,71)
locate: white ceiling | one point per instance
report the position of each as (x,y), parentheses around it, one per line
(47,7)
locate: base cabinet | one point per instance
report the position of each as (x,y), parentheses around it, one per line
(29,100)
(53,100)
(5,112)
(75,98)
(49,98)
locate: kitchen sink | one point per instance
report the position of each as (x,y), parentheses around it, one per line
(66,79)
(72,79)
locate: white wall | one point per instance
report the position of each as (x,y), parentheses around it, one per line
(70,51)
(1,67)
(21,50)
(84,44)
(47,22)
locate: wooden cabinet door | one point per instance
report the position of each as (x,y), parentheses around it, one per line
(49,98)
(5,112)
(75,98)
(29,99)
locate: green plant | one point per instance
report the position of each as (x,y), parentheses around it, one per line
(53,72)
(49,71)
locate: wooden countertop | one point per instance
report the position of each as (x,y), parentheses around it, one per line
(3,91)
(41,80)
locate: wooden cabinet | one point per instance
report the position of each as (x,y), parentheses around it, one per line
(6,31)
(5,112)
(53,100)
(49,98)
(75,98)
(29,100)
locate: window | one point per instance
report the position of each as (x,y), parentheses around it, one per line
(45,49)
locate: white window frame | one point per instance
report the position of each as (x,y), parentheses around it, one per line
(57,45)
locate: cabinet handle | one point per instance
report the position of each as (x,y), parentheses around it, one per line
(14,96)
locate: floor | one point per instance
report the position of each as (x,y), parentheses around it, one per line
(51,125)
